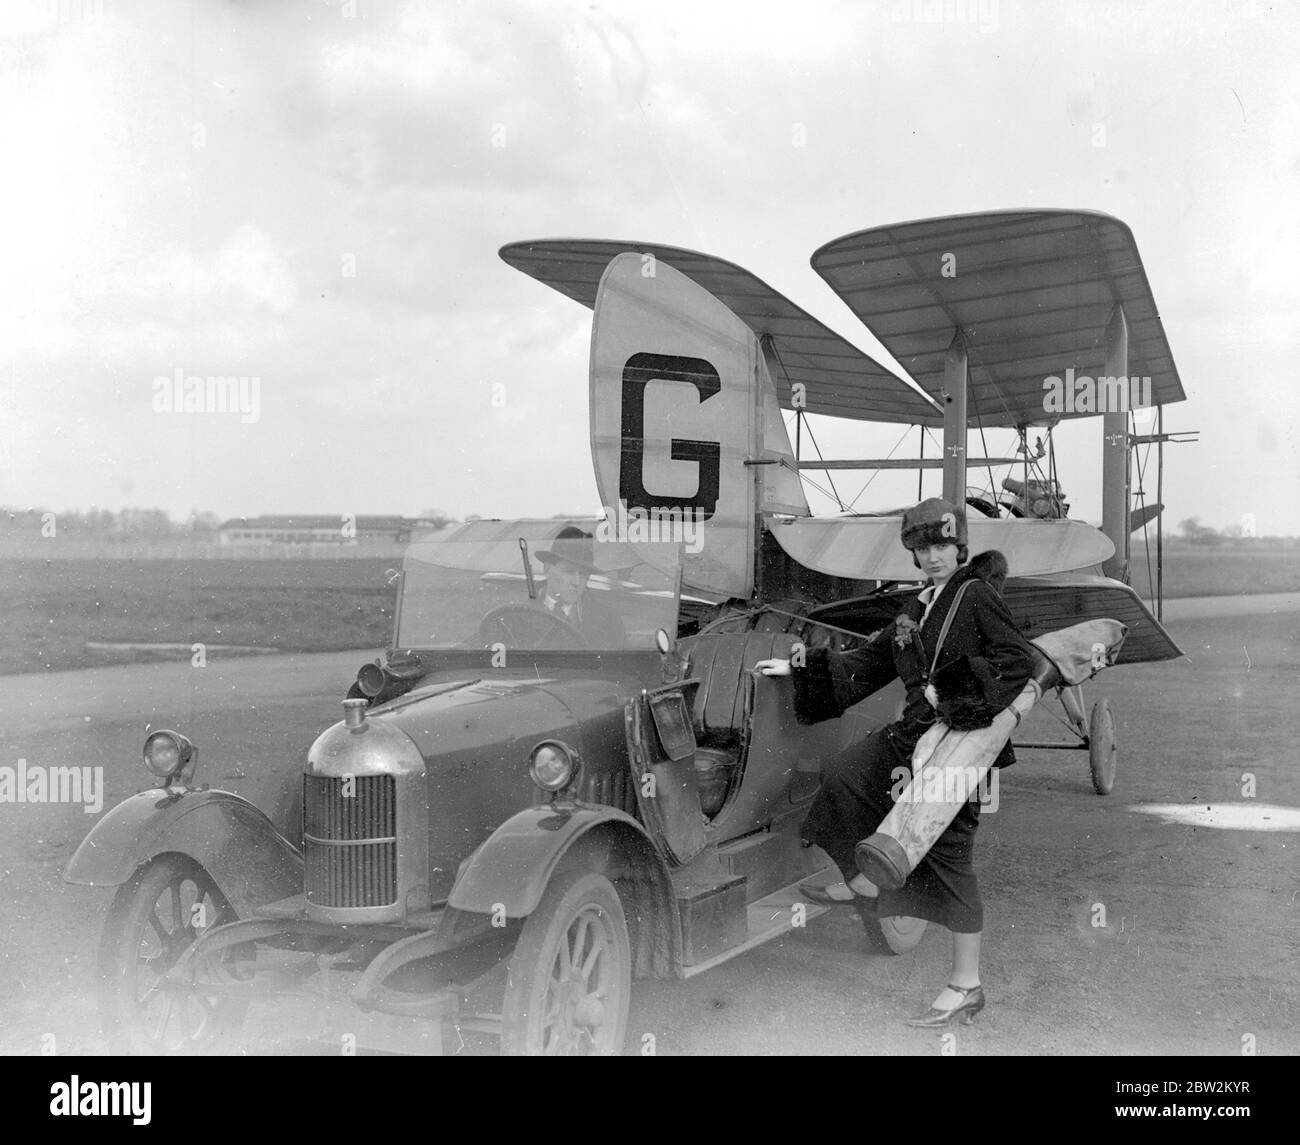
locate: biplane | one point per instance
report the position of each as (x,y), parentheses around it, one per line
(985,312)
(519,811)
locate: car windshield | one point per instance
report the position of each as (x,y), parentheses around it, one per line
(466,587)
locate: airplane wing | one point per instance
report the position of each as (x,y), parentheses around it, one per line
(867,548)
(492,545)
(1031,291)
(1044,604)
(839,379)
(1038,605)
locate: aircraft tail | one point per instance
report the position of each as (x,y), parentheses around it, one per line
(686,430)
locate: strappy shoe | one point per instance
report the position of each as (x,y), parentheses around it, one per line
(971,1004)
(821,897)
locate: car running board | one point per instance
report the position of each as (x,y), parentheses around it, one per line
(768,918)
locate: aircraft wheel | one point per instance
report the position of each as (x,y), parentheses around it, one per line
(902,934)
(894,934)
(569,981)
(1101,747)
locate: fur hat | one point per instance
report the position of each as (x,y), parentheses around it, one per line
(934,522)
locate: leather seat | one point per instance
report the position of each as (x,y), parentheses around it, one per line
(720,661)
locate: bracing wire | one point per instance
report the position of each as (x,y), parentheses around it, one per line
(776,353)
(878,471)
(829,478)
(1142,495)
(803,476)
(992,490)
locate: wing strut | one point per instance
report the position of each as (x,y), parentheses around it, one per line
(1115,453)
(955,376)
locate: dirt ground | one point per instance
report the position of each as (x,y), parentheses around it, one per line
(1202,925)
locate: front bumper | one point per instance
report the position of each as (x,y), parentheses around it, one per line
(280,952)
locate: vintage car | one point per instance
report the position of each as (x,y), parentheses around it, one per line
(569,816)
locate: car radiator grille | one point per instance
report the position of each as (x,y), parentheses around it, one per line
(350,841)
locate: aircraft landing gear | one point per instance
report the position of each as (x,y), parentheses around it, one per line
(1094,732)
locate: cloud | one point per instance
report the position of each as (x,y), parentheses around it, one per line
(246,271)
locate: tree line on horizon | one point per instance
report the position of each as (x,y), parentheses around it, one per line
(1197,534)
(137,524)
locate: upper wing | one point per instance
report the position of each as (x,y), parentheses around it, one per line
(1031,291)
(839,379)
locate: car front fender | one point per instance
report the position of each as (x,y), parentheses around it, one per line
(512,868)
(231,839)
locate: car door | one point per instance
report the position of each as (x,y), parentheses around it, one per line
(661,750)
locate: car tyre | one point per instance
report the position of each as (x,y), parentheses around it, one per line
(569,980)
(151,922)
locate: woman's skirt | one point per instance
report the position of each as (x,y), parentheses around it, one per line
(854,799)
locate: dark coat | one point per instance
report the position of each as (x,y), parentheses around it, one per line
(598,621)
(984,665)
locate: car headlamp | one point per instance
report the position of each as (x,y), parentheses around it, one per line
(168,753)
(553,765)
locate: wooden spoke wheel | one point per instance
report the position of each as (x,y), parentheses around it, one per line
(153,920)
(569,980)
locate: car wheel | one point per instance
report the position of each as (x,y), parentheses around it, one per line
(152,922)
(569,980)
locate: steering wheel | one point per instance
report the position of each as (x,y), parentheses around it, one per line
(530,615)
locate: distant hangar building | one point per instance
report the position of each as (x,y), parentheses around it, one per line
(324,529)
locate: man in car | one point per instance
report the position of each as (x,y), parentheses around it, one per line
(569,564)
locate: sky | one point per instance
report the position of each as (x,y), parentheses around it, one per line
(312,193)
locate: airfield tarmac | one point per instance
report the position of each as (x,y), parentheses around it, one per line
(1202,923)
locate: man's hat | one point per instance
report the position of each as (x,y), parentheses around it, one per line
(934,522)
(571,545)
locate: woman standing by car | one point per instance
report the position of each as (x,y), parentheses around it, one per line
(979,662)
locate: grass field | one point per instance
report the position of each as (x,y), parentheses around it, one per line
(51,609)
(1193,570)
